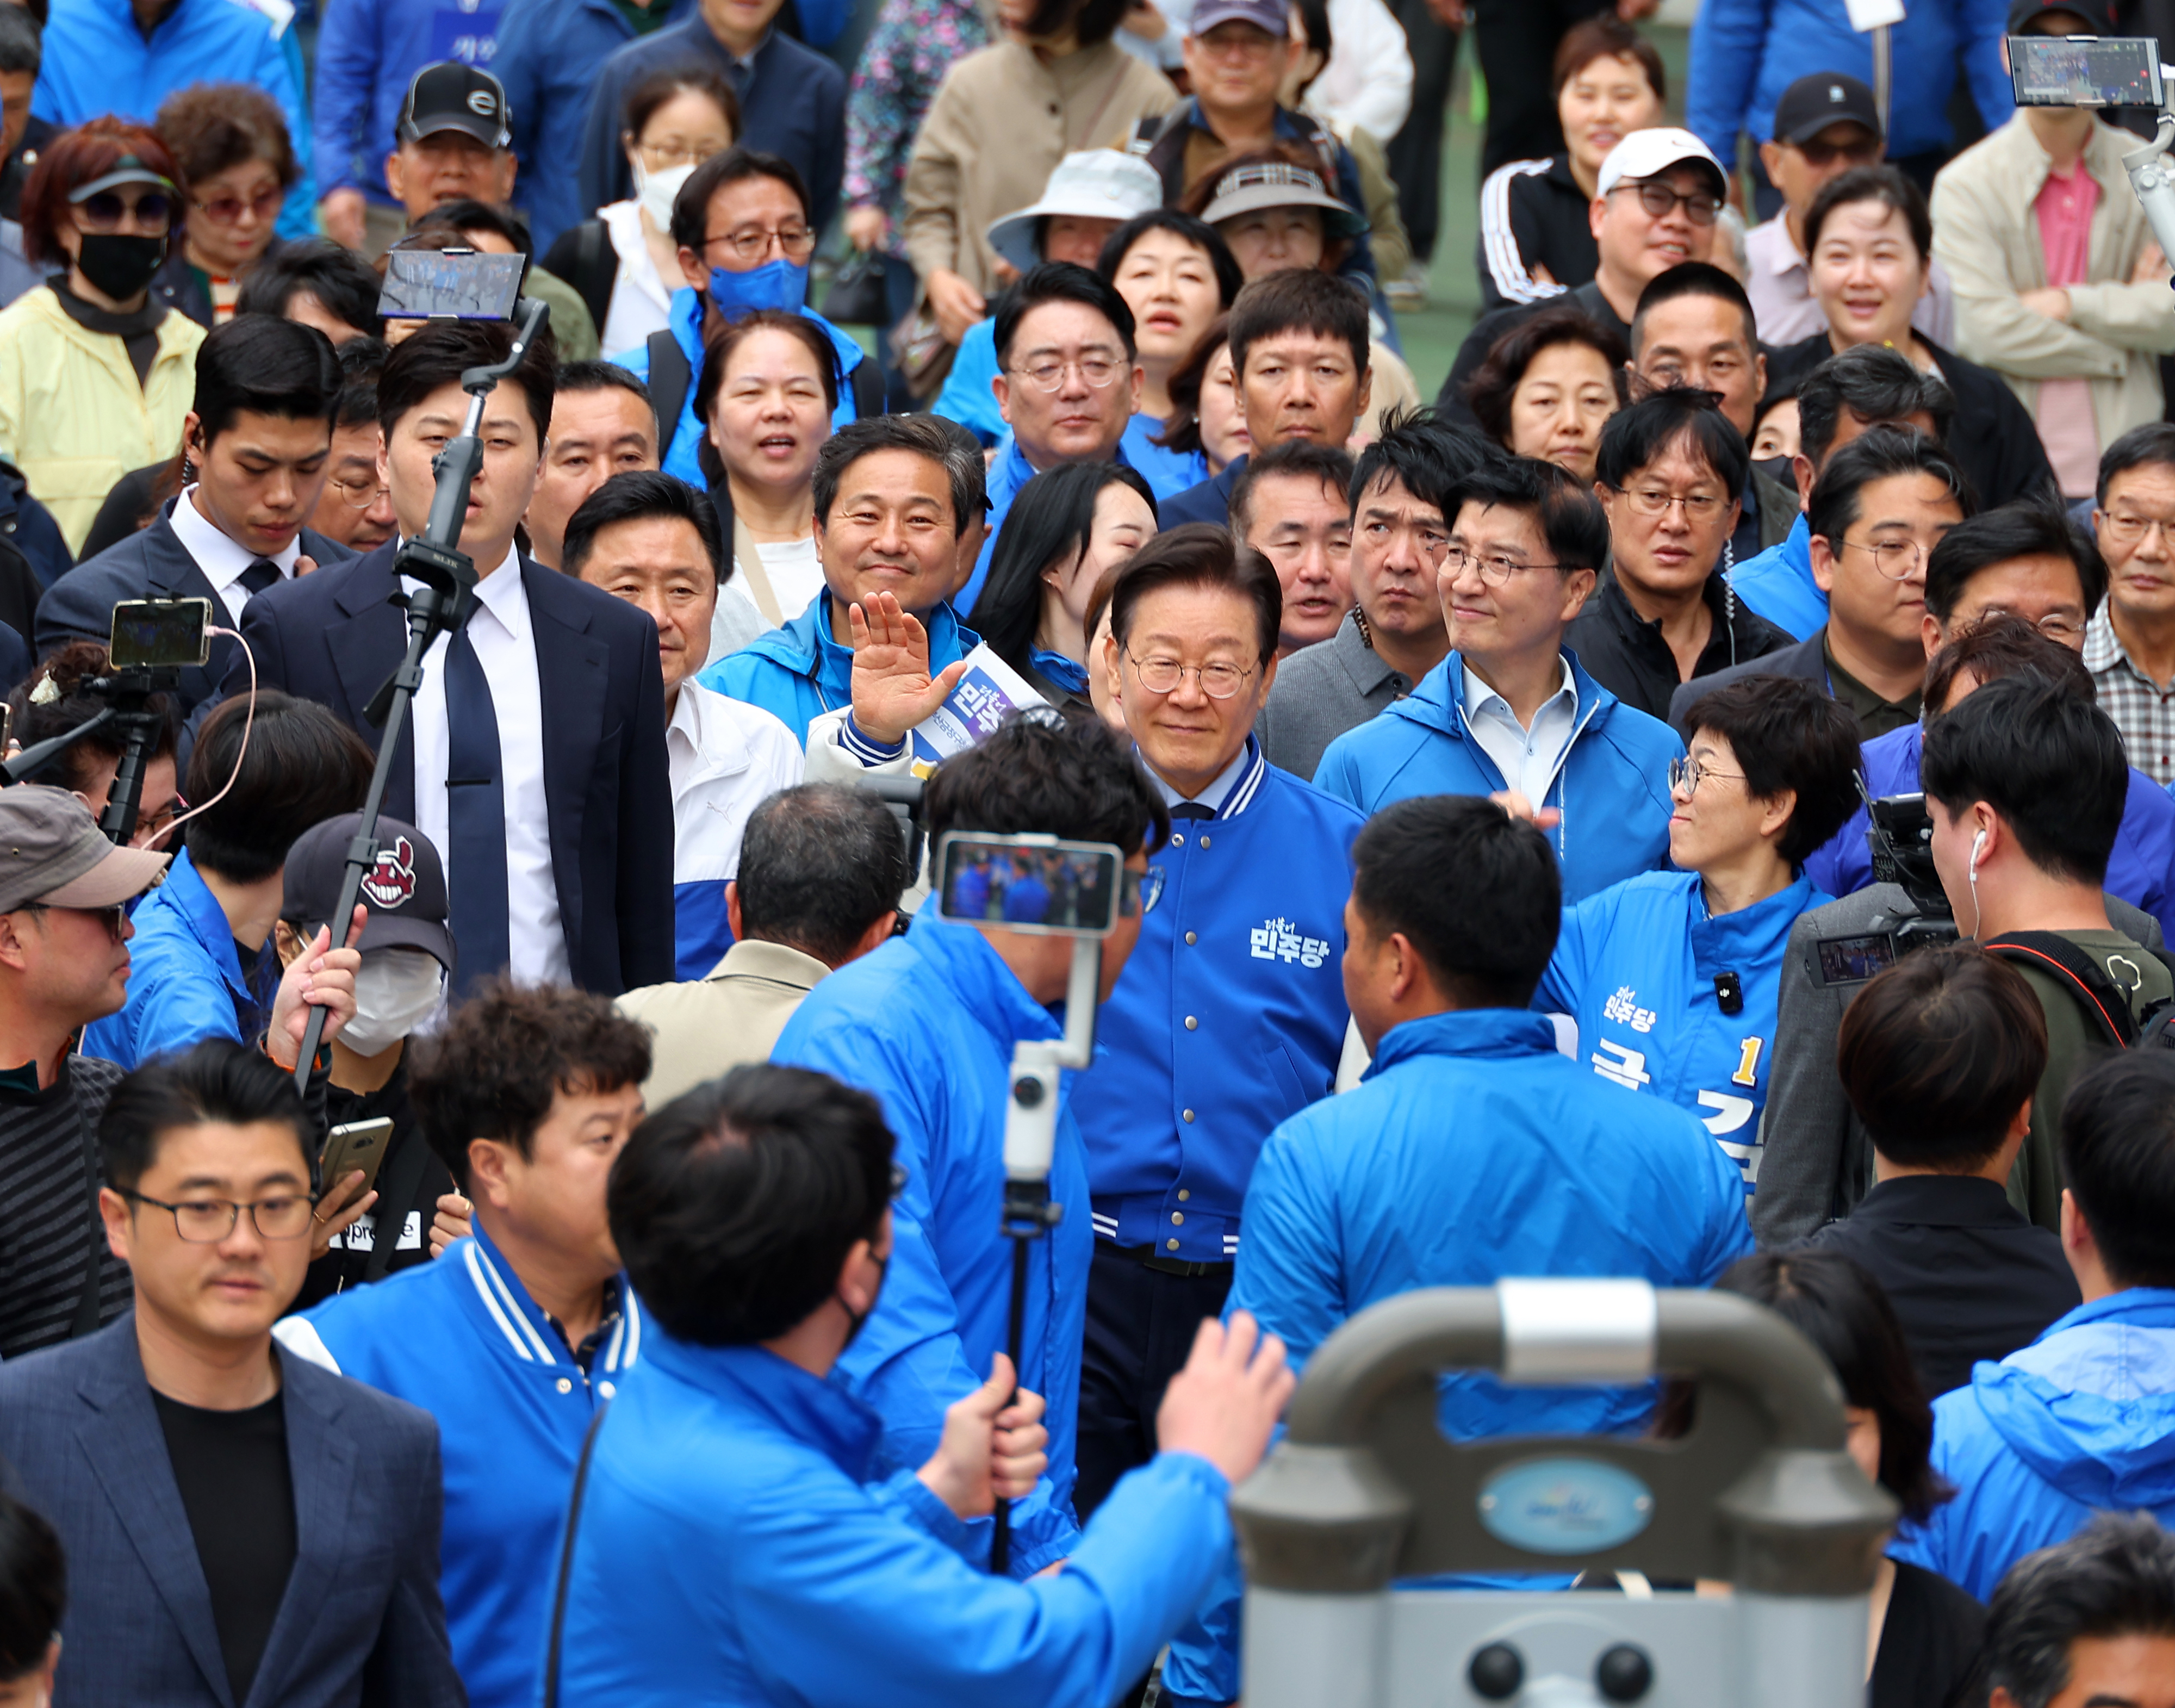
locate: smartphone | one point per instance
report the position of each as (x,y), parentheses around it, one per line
(450,284)
(1030,883)
(355,1145)
(2085,70)
(160,633)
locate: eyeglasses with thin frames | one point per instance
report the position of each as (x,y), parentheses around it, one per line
(2130,530)
(1097,372)
(1685,776)
(357,495)
(1495,569)
(750,243)
(207,1221)
(1899,559)
(1651,501)
(1162,675)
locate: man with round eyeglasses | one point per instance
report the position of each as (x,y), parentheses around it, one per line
(2129,644)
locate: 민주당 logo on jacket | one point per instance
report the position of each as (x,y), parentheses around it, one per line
(1280,939)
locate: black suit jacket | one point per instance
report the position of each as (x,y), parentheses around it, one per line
(154,564)
(361,1622)
(335,637)
(1807,661)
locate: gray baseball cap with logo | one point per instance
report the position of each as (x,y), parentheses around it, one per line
(51,854)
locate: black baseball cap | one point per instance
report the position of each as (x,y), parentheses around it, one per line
(2098,14)
(451,96)
(404,893)
(1811,103)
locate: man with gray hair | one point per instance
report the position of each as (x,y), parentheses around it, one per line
(2090,1622)
(823,866)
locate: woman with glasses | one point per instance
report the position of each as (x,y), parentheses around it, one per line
(1548,388)
(623,262)
(1673,977)
(95,373)
(54,701)
(237,166)
(1668,472)
(1870,257)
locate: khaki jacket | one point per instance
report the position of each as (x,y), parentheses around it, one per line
(709,1026)
(73,416)
(1001,122)
(1987,236)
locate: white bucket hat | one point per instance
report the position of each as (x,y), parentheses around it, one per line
(1093,184)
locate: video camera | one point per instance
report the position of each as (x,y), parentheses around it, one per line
(1900,835)
(2092,71)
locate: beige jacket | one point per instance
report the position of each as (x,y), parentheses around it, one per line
(1987,236)
(709,1026)
(1000,124)
(74,417)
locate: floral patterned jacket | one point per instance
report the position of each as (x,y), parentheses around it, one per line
(913,44)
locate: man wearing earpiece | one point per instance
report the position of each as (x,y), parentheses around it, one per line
(2024,783)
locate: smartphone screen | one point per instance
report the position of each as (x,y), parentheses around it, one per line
(1853,960)
(151,633)
(450,284)
(2085,70)
(1031,884)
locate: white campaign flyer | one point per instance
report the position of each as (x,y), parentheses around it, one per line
(990,692)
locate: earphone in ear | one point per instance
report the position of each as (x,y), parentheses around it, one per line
(1979,851)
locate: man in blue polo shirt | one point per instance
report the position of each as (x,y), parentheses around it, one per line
(1510,711)
(515,1336)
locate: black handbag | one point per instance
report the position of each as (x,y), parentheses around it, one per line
(856,296)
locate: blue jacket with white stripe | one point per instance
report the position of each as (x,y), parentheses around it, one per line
(1229,1018)
(460,1337)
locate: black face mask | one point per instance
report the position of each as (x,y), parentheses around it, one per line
(858,1318)
(1778,469)
(118,264)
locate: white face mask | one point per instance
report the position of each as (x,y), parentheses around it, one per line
(657,191)
(396,991)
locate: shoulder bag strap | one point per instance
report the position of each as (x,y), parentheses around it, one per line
(566,1560)
(669,377)
(2056,956)
(750,561)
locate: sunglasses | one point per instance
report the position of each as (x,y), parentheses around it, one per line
(104,212)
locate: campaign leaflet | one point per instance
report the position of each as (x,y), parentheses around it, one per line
(990,692)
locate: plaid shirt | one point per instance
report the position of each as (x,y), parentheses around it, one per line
(2142,709)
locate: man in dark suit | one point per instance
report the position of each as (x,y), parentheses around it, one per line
(535,757)
(242,1529)
(257,436)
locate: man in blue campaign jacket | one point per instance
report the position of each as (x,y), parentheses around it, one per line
(1510,710)
(1673,978)
(887,519)
(737,1538)
(1471,1150)
(927,1023)
(2083,1419)
(516,1337)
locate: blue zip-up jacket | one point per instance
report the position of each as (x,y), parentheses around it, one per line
(967,398)
(185,982)
(2141,870)
(460,1337)
(548,55)
(96,61)
(735,1548)
(1744,54)
(1229,1018)
(1778,583)
(1408,1182)
(1167,473)
(798,672)
(927,1024)
(368,52)
(1634,967)
(681,458)
(2082,1421)
(1613,788)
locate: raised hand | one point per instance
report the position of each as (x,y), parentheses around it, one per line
(1225,1402)
(893,689)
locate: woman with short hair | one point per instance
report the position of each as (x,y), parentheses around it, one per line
(1177,275)
(1548,387)
(237,163)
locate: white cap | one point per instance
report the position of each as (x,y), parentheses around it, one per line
(1647,154)
(1093,184)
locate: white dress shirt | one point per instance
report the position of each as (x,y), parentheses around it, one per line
(505,645)
(726,757)
(220,558)
(1528,759)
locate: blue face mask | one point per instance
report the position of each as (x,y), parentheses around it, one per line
(781,285)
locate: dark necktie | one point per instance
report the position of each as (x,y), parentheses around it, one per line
(260,575)
(475,798)
(1192,809)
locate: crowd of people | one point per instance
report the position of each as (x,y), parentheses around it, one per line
(1696,802)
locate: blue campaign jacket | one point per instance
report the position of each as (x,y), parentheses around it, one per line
(1471,1150)
(797,673)
(1167,473)
(368,52)
(460,1337)
(2080,1421)
(927,1024)
(184,981)
(967,398)
(1613,788)
(2141,870)
(687,311)
(736,1548)
(1634,967)
(1229,1018)
(1778,583)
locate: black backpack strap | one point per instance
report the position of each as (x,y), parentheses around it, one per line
(2054,955)
(88,1301)
(596,266)
(868,384)
(566,1560)
(669,375)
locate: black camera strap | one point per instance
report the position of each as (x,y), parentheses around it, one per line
(2104,1004)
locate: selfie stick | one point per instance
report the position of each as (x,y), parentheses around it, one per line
(1030,1141)
(438,606)
(128,692)
(2152,180)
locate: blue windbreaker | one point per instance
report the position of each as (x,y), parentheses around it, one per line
(1167,473)
(96,61)
(797,673)
(967,398)
(461,1338)
(1634,967)
(2082,1421)
(927,1024)
(1613,788)
(1778,583)
(1471,1150)
(735,1548)
(1229,1018)
(687,311)
(2141,870)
